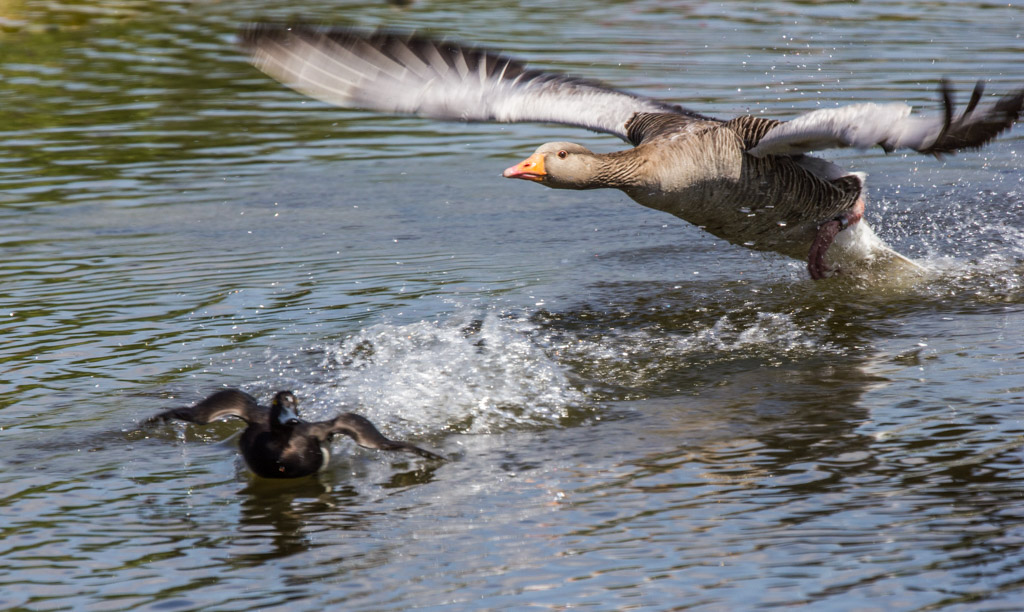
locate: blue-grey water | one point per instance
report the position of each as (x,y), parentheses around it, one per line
(638,415)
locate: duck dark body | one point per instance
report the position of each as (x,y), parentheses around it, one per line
(277,443)
(748,180)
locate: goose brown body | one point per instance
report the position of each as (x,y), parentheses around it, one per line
(707,179)
(749,180)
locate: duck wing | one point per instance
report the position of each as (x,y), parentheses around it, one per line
(365,434)
(891,127)
(222,404)
(410,74)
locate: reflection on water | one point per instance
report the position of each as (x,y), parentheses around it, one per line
(279,516)
(637,414)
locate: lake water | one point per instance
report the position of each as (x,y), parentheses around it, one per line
(638,415)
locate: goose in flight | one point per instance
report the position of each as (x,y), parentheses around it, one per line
(277,443)
(747,180)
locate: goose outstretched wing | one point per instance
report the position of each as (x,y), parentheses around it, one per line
(410,74)
(891,127)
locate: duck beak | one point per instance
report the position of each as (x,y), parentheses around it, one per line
(530,169)
(288,417)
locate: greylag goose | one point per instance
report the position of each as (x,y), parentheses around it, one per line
(277,443)
(747,180)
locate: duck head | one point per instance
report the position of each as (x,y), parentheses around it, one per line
(284,410)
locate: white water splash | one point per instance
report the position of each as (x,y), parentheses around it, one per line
(974,235)
(469,372)
(636,357)
(773,330)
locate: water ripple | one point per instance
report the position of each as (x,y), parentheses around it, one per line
(637,415)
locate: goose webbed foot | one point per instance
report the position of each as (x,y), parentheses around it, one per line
(822,241)
(827,233)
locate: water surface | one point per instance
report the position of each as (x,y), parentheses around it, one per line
(638,414)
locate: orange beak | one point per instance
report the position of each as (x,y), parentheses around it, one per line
(530,169)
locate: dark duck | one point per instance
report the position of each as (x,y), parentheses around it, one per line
(277,443)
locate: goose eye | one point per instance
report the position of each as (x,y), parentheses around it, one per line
(563,154)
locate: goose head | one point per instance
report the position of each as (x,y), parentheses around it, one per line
(561,165)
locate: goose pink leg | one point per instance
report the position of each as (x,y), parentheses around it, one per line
(826,234)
